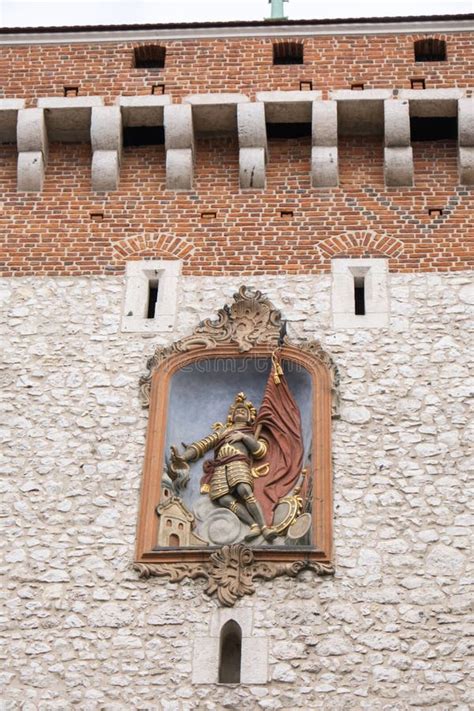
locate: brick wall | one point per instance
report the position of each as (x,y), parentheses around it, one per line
(52,233)
(235,65)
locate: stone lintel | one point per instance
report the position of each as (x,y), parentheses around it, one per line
(30,171)
(288,106)
(68,119)
(432,102)
(9,109)
(364,95)
(215,113)
(361,113)
(143,110)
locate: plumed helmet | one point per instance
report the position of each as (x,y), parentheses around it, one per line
(239,403)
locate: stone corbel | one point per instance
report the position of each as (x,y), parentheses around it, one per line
(398,153)
(324,156)
(32,142)
(466,141)
(179,145)
(106,141)
(253,149)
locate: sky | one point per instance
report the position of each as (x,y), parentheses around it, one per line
(34,13)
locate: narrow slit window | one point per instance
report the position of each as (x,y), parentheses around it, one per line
(288,53)
(149,56)
(152,298)
(430,50)
(359,295)
(230,656)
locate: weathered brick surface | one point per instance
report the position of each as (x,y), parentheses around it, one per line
(196,66)
(52,233)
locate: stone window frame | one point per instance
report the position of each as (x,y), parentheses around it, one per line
(206,650)
(135,303)
(377,306)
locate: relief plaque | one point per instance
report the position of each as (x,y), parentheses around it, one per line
(237,476)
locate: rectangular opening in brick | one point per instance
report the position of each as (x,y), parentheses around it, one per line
(430,50)
(357,86)
(150,56)
(435,212)
(70,90)
(97,216)
(152,297)
(286,214)
(306,86)
(158,89)
(418,83)
(288,130)
(288,53)
(143,136)
(208,215)
(359,295)
(433,128)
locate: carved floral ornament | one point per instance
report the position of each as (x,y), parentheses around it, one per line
(251,326)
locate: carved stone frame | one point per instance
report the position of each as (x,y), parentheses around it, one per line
(250,332)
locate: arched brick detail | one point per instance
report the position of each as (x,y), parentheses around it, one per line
(154,247)
(366,243)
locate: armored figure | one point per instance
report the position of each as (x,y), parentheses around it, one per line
(229,477)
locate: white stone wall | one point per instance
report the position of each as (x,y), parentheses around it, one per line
(389,631)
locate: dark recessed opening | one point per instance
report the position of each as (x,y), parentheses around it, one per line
(149,56)
(286,214)
(435,212)
(230,656)
(359,296)
(288,53)
(173,540)
(208,215)
(71,90)
(357,87)
(418,83)
(433,128)
(158,89)
(288,130)
(96,216)
(306,86)
(143,136)
(430,50)
(152,300)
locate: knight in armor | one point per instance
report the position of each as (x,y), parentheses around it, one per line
(229,477)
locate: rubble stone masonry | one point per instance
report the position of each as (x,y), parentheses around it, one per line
(389,631)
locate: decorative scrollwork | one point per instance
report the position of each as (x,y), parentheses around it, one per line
(230,572)
(251,320)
